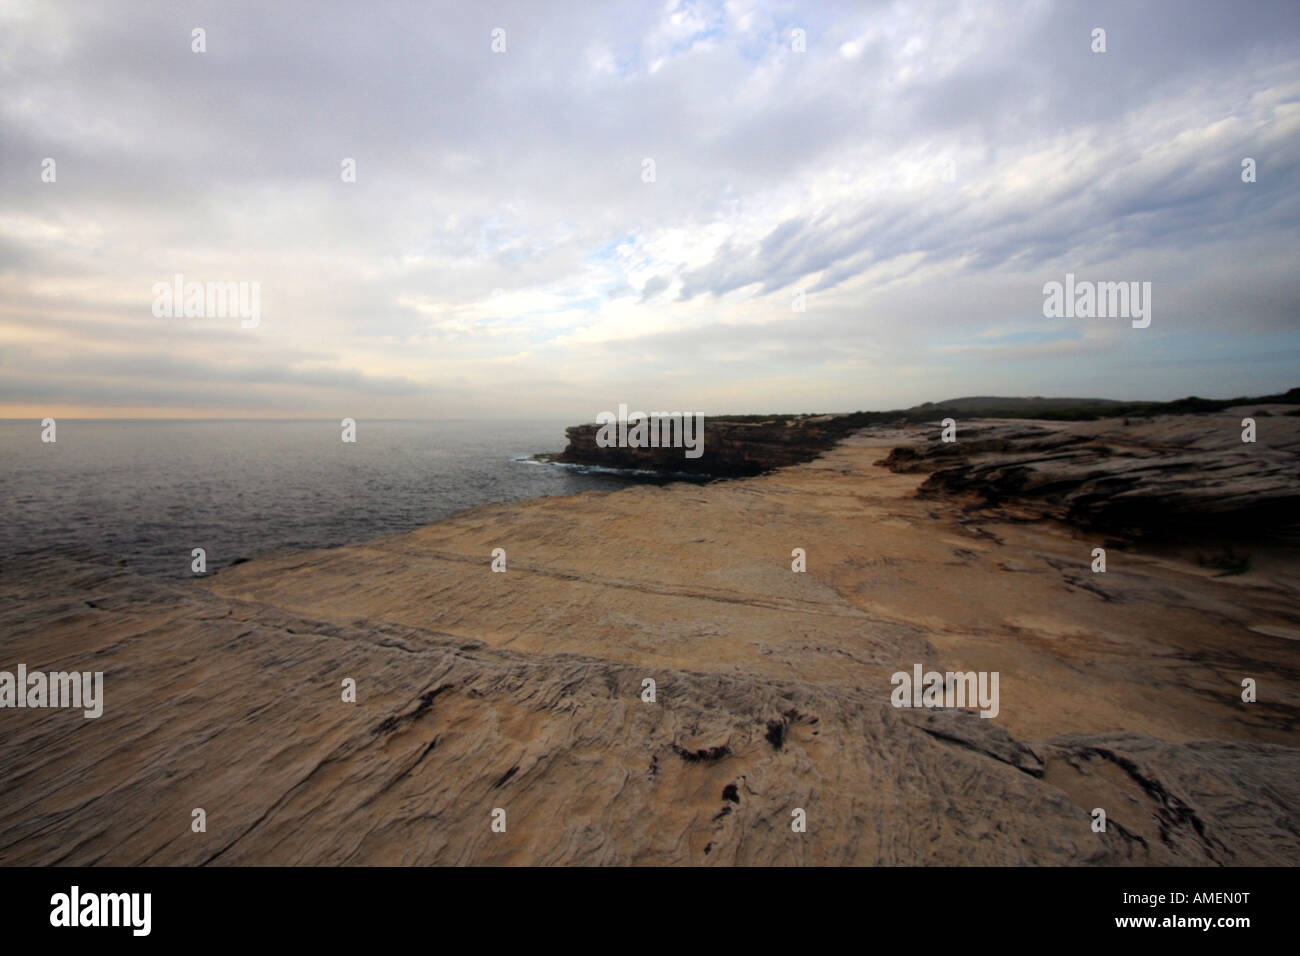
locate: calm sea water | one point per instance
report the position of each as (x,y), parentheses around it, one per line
(150,491)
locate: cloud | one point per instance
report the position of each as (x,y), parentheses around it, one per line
(918,172)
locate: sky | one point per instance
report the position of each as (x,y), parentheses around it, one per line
(851,205)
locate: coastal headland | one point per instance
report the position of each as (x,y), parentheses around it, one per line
(524,691)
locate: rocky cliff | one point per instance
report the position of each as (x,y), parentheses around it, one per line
(731,449)
(1168,476)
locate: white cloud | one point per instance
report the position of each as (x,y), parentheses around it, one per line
(918,172)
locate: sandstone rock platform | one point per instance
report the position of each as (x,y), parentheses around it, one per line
(522,690)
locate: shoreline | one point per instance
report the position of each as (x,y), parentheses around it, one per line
(522,690)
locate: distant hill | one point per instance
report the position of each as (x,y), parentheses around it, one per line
(1074,409)
(1082,409)
(1053,409)
(984,404)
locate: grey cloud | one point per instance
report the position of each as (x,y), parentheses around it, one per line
(479,171)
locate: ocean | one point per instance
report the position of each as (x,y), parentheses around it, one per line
(148,492)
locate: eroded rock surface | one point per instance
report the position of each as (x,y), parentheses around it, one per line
(522,691)
(1178,475)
